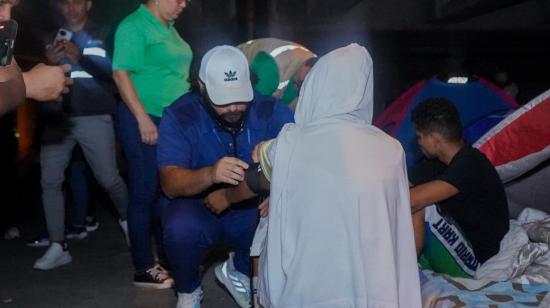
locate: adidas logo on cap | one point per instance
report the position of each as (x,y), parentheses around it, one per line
(230,76)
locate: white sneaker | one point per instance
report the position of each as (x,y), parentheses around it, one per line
(237,283)
(124,226)
(190,300)
(54,257)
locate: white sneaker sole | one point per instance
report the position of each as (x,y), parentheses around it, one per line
(92,228)
(65,259)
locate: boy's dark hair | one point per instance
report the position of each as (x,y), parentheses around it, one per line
(438,115)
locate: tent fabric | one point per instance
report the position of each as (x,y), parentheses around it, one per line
(521,141)
(519,148)
(475,131)
(475,100)
(529,191)
(392,116)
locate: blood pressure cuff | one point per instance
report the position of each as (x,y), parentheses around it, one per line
(256,180)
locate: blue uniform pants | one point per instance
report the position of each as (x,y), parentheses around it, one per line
(189,229)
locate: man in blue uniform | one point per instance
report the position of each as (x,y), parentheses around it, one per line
(205,143)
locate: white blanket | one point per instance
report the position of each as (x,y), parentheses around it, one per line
(520,259)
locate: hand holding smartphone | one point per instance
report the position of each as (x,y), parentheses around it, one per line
(63,35)
(55,52)
(8,33)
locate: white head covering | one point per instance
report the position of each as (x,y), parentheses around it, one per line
(340,83)
(340,229)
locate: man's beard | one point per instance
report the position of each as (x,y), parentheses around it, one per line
(233,118)
(231,121)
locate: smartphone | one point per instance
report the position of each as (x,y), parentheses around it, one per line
(63,35)
(8,33)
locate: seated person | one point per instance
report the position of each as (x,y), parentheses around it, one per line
(470,216)
(339,224)
(205,143)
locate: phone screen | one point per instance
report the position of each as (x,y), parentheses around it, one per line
(8,32)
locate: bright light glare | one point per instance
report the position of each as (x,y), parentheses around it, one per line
(460,80)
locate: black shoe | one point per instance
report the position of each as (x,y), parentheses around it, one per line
(154,278)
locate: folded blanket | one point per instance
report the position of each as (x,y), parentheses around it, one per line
(519,259)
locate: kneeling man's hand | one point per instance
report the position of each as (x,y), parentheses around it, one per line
(228,170)
(217,201)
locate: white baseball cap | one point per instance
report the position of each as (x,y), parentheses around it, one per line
(225,73)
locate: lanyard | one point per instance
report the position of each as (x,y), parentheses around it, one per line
(234,136)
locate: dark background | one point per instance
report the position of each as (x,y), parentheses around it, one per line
(409,40)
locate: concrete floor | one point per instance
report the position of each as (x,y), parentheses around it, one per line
(99,276)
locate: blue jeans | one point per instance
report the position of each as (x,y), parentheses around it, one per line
(143,190)
(189,229)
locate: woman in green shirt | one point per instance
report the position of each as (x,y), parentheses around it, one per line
(150,68)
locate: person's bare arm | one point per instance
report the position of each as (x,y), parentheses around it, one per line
(147,129)
(424,195)
(239,193)
(419,232)
(254,184)
(430,193)
(183,182)
(12,88)
(47,83)
(219,200)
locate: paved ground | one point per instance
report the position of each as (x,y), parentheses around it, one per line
(99,276)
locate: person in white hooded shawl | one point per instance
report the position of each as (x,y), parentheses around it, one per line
(339,225)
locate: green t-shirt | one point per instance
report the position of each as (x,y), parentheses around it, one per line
(156,57)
